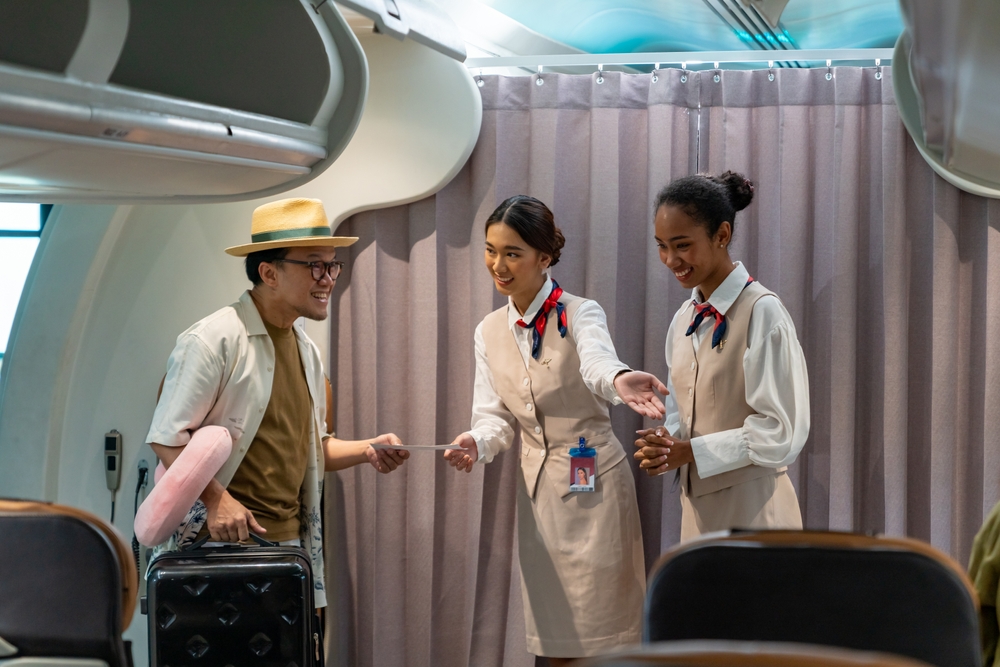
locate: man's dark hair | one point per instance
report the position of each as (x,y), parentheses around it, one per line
(255,259)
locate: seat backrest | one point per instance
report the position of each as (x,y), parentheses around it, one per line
(892,595)
(744,654)
(68,583)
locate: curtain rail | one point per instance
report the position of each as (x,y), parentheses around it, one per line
(680,57)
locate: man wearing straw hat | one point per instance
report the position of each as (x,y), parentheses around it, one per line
(251,368)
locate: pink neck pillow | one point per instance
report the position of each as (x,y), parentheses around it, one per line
(178,487)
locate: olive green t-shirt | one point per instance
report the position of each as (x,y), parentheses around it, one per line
(269,480)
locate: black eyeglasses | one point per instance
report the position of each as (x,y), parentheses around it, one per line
(319,269)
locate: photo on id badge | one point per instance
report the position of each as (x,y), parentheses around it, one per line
(582,468)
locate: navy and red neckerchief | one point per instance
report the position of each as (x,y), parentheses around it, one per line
(537,323)
(703,310)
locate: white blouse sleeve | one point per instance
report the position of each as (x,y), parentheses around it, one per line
(672,419)
(492,423)
(599,363)
(777,388)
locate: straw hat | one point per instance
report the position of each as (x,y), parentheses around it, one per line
(288,223)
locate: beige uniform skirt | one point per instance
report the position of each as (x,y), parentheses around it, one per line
(765,502)
(582,571)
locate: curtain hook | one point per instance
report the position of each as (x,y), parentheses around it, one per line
(600,73)
(655,67)
(479,79)
(829,70)
(538,79)
(878,69)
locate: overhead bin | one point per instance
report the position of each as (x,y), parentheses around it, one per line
(947,87)
(180,101)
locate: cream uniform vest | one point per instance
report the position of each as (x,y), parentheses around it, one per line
(710,388)
(549,399)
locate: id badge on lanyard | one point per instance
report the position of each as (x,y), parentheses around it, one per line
(582,467)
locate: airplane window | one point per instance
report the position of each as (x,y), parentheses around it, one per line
(20,229)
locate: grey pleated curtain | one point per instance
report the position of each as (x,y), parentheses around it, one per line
(891,275)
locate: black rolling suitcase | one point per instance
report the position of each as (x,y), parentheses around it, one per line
(232,606)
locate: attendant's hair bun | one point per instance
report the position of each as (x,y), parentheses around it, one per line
(739,187)
(710,200)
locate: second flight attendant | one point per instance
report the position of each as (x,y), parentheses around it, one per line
(545,361)
(737,370)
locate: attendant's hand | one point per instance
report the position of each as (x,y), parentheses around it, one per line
(386,460)
(228,520)
(464,456)
(638,390)
(659,452)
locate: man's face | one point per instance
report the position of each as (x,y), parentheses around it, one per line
(297,288)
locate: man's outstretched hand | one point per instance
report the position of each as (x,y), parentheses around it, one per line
(387,460)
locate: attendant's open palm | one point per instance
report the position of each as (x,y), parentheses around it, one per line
(638,390)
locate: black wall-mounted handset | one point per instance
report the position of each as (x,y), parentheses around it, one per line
(112,459)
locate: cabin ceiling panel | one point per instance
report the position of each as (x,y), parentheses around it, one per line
(423,22)
(627,26)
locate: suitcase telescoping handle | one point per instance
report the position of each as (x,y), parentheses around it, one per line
(254,536)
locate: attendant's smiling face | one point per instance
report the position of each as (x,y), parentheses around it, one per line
(687,249)
(517,269)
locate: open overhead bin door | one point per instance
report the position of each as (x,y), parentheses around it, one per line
(179,101)
(947,84)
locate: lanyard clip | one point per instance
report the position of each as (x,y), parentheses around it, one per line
(583,444)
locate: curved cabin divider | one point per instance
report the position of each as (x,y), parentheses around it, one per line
(420,125)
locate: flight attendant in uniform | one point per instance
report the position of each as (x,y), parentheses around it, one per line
(546,362)
(737,372)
